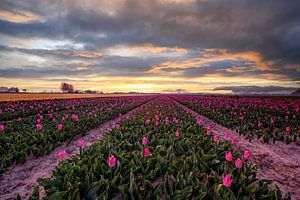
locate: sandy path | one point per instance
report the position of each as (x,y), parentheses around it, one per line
(23,178)
(278,162)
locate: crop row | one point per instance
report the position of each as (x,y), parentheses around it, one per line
(268,118)
(158,153)
(40,134)
(16,110)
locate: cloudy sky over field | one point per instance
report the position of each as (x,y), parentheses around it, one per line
(151,46)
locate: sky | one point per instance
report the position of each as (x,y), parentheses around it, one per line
(168,46)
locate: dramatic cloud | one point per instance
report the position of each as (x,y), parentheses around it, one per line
(161,41)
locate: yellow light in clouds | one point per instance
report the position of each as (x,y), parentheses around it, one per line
(18,17)
(221,55)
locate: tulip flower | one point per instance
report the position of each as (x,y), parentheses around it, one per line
(288,129)
(167,120)
(259,124)
(148,121)
(177,133)
(239,163)
(39,126)
(144,140)
(117,126)
(80,143)
(216,138)
(2,128)
(62,154)
(226,136)
(207,131)
(59,126)
(233,140)
(247,154)
(227,181)
(146,152)
(228,156)
(112,161)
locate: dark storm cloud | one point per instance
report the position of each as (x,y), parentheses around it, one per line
(270,27)
(105,66)
(256,89)
(60,53)
(36,72)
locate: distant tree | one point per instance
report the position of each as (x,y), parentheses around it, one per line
(14,89)
(66,88)
(24,90)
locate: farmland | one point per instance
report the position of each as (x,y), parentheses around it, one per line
(45,96)
(150,147)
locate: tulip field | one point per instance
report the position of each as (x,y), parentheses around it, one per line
(159,151)
(267,118)
(37,127)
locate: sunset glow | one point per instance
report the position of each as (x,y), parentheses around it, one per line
(158,46)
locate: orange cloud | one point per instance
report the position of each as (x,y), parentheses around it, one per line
(19,17)
(213,55)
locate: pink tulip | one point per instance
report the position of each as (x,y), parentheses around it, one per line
(239,163)
(146,152)
(2,128)
(39,126)
(144,140)
(59,126)
(226,136)
(156,123)
(227,181)
(207,131)
(228,156)
(247,154)
(177,133)
(112,160)
(80,143)
(62,154)
(259,124)
(148,121)
(167,120)
(117,126)
(272,121)
(233,140)
(216,138)
(288,129)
